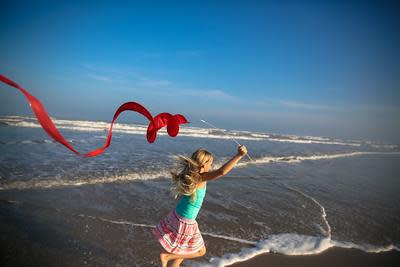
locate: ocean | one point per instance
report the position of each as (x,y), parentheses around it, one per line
(299,195)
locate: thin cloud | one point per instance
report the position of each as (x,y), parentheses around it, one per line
(214,94)
(287,105)
(146,82)
(307,106)
(88,66)
(121,76)
(100,78)
(158,86)
(188,53)
(376,108)
(299,105)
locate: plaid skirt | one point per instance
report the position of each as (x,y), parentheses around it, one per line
(178,235)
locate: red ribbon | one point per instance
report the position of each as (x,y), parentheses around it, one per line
(163,119)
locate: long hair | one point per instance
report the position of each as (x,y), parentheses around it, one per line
(187,175)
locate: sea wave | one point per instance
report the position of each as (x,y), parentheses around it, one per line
(164,173)
(65,182)
(299,158)
(196,132)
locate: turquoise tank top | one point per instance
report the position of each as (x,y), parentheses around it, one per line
(189,209)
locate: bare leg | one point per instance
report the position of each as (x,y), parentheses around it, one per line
(165,257)
(177,262)
(164,260)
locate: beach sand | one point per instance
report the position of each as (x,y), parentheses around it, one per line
(331,257)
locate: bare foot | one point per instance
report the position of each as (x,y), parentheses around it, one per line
(164,259)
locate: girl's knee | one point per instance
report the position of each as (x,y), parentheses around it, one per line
(203,251)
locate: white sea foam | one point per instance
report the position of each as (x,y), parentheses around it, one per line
(230,238)
(290,244)
(323,213)
(164,173)
(124,222)
(197,132)
(297,159)
(55,183)
(366,247)
(293,244)
(312,141)
(286,244)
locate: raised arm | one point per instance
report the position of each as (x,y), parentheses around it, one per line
(227,167)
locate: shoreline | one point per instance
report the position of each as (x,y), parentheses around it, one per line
(329,258)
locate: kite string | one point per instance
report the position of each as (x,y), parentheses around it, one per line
(226,135)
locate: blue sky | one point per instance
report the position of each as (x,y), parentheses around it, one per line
(308,68)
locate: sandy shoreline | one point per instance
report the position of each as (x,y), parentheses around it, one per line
(331,257)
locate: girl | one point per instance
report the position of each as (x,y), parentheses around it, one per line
(178,232)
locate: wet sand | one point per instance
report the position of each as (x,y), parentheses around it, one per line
(329,258)
(36,235)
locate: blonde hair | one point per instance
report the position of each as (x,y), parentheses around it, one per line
(187,175)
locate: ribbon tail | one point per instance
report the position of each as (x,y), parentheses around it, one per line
(132,106)
(41,114)
(163,119)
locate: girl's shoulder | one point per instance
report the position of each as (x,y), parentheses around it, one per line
(201,185)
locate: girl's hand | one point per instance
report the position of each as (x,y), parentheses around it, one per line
(242,150)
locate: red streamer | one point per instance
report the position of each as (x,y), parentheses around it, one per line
(163,119)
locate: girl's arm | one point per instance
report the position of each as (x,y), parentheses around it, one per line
(227,167)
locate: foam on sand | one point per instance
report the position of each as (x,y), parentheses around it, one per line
(294,244)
